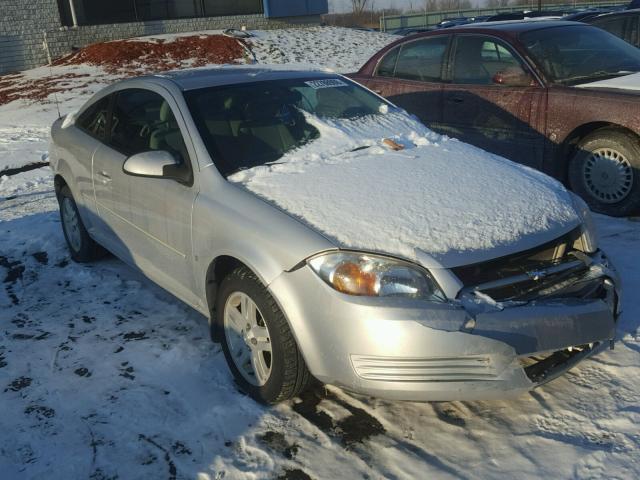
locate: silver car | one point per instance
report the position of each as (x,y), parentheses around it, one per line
(326,233)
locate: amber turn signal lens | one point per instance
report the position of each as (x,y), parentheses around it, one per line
(350,278)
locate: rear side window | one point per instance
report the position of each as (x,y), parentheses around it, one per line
(387,66)
(142,121)
(94,119)
(422,59)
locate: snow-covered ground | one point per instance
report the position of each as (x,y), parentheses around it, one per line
(103,375)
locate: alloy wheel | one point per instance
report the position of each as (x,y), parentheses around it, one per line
(248,338)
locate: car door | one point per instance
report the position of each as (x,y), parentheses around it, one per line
(481,108)
(152,216)
(410,76)
(92,122)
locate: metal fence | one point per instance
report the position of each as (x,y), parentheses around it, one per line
(428,19)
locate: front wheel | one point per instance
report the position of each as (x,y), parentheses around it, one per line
(81,246)
(257,341)
(605,172)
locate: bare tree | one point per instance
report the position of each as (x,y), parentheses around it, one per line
(431,5)
(440,5)
(499,3)
(358,6)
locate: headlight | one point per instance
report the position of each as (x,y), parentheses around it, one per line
(589,237)
(374,276)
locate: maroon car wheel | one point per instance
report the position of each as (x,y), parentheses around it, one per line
(605,171)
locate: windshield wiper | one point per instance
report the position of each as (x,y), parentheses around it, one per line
(601,75)
(357,149)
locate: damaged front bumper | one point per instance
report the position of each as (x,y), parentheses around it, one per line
(461,350)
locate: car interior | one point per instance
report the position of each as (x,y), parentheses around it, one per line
(254,125)
(477,60)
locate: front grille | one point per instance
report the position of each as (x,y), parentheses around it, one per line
(550,268)
(543,256)
(425,369)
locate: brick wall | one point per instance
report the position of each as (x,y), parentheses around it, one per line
(24,23)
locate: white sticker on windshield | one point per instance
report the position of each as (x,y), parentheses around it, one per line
(328,83)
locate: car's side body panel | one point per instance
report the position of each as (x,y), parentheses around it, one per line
(569,109)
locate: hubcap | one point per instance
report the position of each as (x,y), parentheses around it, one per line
(248,338)
(71,224)
(608,175)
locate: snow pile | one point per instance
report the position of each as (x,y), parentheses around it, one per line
(342,49)
(21,146)
(437,195)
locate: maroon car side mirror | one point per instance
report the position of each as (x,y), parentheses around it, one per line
(514,77)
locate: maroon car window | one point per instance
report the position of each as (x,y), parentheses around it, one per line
(387,67)
(579,53)
(478,59)
(422,59)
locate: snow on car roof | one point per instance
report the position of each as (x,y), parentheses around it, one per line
(192,79)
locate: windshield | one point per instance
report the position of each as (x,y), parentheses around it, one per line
(571,55)
(253,124)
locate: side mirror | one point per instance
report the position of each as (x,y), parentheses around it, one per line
(514,77)
(156,164)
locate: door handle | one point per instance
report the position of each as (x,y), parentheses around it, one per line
(106,178)
(377,91)
(455,99)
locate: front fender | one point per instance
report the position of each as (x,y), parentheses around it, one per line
(230,221)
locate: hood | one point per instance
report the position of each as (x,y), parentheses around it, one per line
(626,82)
(438,201)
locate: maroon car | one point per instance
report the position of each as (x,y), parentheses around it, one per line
(562,97)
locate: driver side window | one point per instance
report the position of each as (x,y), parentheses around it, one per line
(142,121)
(478,59)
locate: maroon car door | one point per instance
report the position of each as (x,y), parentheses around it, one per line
(492,101)
(410,76)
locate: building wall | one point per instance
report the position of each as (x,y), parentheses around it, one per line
(280,8)
(24,24)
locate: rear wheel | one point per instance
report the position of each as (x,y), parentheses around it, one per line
(257,341)
(605,172)
(81,246)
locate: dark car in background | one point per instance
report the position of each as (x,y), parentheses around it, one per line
(562,97)
(624,24)
(584,15)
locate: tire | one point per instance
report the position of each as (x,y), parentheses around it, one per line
(605,172)
(288,374)
(81,246)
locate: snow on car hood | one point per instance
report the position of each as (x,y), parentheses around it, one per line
(626,82)
(438,196)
